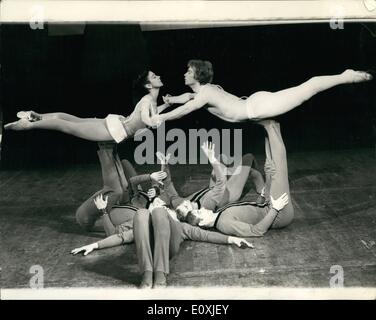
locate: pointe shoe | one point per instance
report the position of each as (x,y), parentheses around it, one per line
(21,124)
(357,76)
(29,115)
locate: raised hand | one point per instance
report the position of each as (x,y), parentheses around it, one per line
(101,203)
(280,203)
(86,249)
(158,176)
(162,158)
(209,150)
(240,242)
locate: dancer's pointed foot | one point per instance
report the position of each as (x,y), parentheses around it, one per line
(21,124)
(353,76)
(29,115)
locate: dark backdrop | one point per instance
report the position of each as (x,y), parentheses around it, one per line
(89,73)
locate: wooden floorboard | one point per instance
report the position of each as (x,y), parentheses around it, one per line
(334,194)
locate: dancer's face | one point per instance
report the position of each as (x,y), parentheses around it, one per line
(202,214)
(185,207)
(154,80)
(189,77)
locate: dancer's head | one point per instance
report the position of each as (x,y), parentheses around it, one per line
(199,71)
(145,82)
(195,216)
(185,208)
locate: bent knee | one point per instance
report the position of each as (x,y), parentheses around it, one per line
(84,219)
(248,159)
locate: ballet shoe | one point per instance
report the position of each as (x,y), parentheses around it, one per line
(21,124)
(357,76)
(29,115)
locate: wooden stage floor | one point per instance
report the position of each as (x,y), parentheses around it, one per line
(334,194)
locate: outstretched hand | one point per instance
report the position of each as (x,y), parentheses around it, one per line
(166,99)
(86,249)
(101,203)
(209,150)
(280,203)
(240,242)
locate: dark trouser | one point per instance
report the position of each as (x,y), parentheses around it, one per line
(157,237)
(114,186)
(238,219)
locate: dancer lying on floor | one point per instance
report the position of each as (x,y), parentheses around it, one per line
(113,127)
(260,105)
(121,184)
(222,189)
(158,236)
(244,219)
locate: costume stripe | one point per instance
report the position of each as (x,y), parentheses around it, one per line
(230,205)
(126,206)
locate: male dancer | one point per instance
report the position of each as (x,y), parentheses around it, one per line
(244,219)
(121,185)
(260,105)
(222,191)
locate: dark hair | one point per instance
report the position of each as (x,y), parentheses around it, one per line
(203,70)
(139,83)
(192,219)
(180,215)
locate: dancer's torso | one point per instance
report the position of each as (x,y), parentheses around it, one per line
(134,122)
(221,103)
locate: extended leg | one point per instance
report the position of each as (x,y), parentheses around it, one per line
(271,104)
(59,115)
(87,213)
(141,230)
(93,130)
(279,180)
(235,184)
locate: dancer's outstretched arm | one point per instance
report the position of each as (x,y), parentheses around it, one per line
(190,106)
(183,98)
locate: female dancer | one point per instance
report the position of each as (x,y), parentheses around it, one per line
(113,127)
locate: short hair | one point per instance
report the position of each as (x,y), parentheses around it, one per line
(192,219)
(139,83)
(180,215)
(203,70)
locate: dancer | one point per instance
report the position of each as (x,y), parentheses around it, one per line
(117,224)
(220,193)
(260,105)
(113,127)
(158,236)
(244,219)
(121,185)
